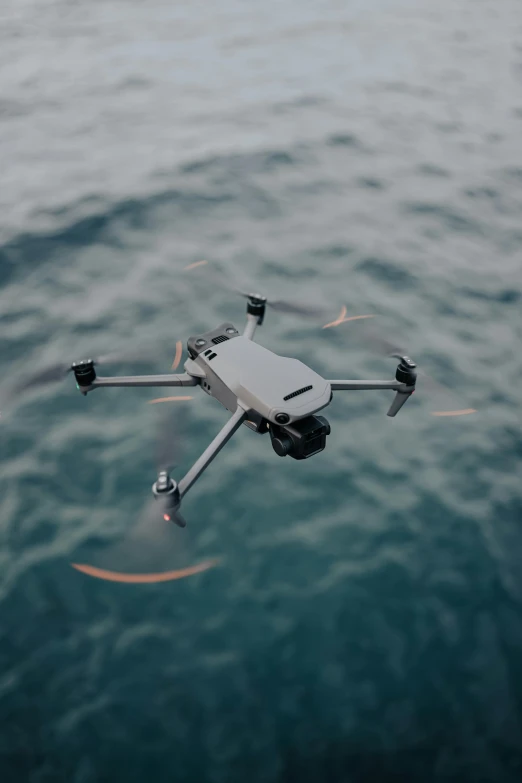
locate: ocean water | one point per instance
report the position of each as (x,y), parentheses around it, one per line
(364,621)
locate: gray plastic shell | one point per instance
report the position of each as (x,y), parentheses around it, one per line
(240,371)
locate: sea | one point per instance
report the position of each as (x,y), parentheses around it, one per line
(352,617)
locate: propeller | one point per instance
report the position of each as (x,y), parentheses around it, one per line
(168,455)
(55,373)
(283,306)
(158,547)
(393,349)
(152,547)
(221,280)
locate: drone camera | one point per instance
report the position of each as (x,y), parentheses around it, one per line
(302,438)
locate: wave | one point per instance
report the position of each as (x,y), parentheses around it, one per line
(202,186)
(29,248)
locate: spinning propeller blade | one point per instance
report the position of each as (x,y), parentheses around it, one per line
(54,373)
(284,306)
(161,576)
(387,347)
(178,398)
(302,309)
(154,550)
(159,547)
(194,265)
(177,355)
(343,318)
(168,449)
(124,357)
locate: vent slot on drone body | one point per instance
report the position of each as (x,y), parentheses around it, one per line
(296,393)
(219,339)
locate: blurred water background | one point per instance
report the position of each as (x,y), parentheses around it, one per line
(364,623)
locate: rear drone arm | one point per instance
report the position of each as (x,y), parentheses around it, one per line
(250,326)
(256,306)
(211,451)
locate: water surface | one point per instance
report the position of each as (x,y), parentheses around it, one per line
(364,621)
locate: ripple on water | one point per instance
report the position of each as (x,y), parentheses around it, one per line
(364,618)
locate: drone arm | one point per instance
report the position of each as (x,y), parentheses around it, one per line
(403,390)
(364,385)
(250,327)
(211,451)
(143,380)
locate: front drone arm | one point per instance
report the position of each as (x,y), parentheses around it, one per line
(223,436)
(365,385)
(403,385)
(256,306)
(250,326)
(403,390)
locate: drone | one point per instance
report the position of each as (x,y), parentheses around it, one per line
(266,392)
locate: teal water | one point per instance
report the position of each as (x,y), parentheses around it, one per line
(364,621)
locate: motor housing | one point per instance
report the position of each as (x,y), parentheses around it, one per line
(84,372)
